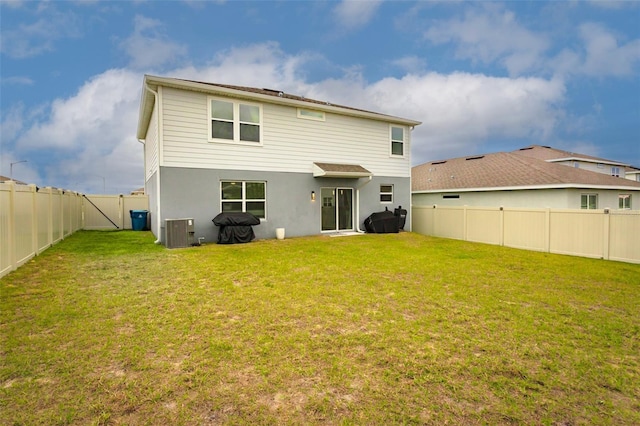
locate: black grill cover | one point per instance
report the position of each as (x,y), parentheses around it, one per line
(381,223)
(237,218)
(401,214)
(235,227)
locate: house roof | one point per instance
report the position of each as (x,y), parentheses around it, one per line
(507,170)
(252,93)
(340,170)
(550,154)
(7,179)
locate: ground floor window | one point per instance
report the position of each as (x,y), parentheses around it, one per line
(386,193)
(589,201)
(244,196)
(624,201)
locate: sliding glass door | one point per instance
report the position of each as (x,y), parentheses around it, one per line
(337,209)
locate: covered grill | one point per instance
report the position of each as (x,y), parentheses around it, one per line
(235,227)
(382,223)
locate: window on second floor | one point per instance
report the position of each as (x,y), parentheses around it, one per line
(624,201)
(397,141)
(615,171)
(589,201)
(234,121)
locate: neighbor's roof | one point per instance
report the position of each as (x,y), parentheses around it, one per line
(507,170)
(6,179)
(550,154)
(251,93)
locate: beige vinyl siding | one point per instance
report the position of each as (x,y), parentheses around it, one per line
(151,146)
(290,144)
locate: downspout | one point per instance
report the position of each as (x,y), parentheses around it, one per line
(158,221)
(358,205)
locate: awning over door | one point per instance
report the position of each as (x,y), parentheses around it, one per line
(340,170)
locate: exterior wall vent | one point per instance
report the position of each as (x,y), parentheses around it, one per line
(179,233)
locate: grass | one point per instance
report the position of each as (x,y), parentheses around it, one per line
(108,328)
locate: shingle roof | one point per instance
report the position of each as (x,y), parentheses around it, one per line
(6,179)
(548,153)
(340,170)
(505,170)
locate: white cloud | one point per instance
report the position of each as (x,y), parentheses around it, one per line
(28,40)
(351,14)
(148,47)
(84,131)
(411,64)
(17,80)
(492,35)
(461,111)
(604,54)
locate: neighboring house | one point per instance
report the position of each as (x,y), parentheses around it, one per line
(7,179)
(633,174)
(532,177)
(304,165)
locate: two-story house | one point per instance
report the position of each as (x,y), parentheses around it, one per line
(531,177)
(304,165)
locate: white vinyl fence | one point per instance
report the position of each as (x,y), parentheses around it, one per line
(602,234)
(32,219)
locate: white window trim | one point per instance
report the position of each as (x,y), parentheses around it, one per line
(310,117)
(628,198)
(386,193)
(244,198)
(404,141)
(236,122)
(615,171)
(589,195)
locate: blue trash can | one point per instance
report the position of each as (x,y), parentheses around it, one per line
(138,219)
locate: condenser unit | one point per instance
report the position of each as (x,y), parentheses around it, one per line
(179,233)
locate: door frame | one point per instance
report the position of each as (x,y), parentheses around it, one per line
(337,209)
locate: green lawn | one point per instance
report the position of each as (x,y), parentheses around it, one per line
(108,328)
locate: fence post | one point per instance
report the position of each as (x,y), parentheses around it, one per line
(464,223)
(34,219)
(547,230)
(606,234)
(11,235)
(501,226)
(121,210)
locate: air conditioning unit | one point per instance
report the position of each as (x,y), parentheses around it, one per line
(179,233)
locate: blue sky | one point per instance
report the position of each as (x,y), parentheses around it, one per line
(481,76)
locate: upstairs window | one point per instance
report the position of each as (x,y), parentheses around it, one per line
(589,201)
(397,141)
(615,171)
(624,201)
(386,193)
(310,114)
(244,196)
(234,121)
